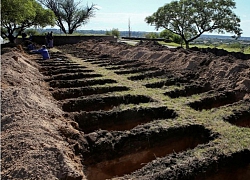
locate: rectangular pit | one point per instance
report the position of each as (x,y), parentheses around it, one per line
(66,70)
(147,75)
(135,70)
(134,65)
(85,91)
(103,103)
(189,91)
(233,167)
(101,60)
(58,64)
(240,118)
(169,82)
(71,76)
(121,120)
(124,62)
(53,60)
(54,68)
(129,152)
(217,101)
(79,83)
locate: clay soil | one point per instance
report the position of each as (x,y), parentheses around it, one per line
(108,110)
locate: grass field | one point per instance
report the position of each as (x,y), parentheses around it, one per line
(222,46)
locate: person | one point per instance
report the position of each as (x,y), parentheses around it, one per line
(43,51)
(24,35)
(50,37)
(31,37)
(47,39)
(12,38)
(31,46)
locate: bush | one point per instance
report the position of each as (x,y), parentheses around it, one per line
(166,34)
(152,35)
(113,32)
(176,38)
(235,45)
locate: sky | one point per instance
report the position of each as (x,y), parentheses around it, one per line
(116,14)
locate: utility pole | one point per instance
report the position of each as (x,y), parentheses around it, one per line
(129,31)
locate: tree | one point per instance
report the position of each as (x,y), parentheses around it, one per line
(70,15)
(17,15)
(113,32)
(170,35)
(166,34)
(152,35)
(190,19)
(32,32)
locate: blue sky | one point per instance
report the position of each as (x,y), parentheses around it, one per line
(116,14)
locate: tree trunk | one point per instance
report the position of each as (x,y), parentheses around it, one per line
(11,38)
(71,31)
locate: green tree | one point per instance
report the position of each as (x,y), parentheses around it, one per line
(32,32)
(177,39)
(70,15)
(17,15)
(113,32)
(166,34)
(108,33)
(191,18)
(152,35)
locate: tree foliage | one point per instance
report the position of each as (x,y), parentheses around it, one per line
(191,18)
(70,15)
(167,34)
(17,15)
(113,32)
(31,32)
(152,35)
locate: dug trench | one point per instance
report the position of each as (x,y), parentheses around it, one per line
(240,118)
(133,150)
(235,166)
(221,99)
(98,102)
(121,120)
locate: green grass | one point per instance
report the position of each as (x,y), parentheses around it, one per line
(222,46)
(169,44)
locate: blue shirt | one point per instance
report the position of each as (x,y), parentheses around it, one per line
(44,52)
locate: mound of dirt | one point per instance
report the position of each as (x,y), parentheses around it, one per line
(32,143)
(223,72)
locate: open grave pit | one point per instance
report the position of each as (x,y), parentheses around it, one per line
(189,90)
(72,76)
(121,120)
(215,101)
(106,103)
(79,83)
(116,154)
(70,93)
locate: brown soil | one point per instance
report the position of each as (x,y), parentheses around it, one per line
(32,146)
(91,112)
